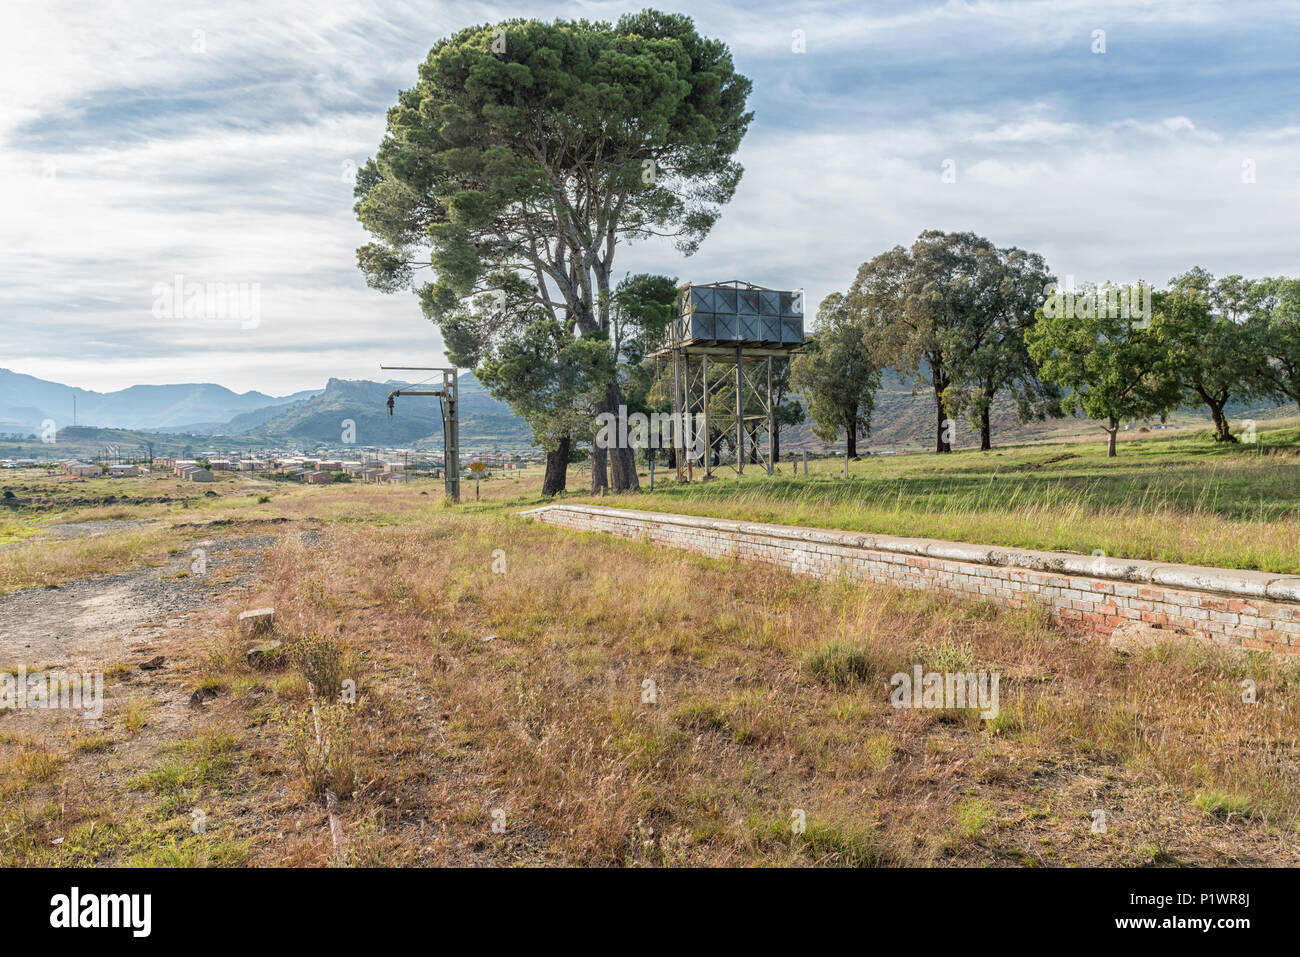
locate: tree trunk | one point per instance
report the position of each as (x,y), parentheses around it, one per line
(599,471)
(851,439)
(941,444)
(986,432)
(776,444)
(622,459)
(557,468)
(1112,430)
(1222,428)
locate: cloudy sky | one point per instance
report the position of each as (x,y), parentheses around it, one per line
(141,142)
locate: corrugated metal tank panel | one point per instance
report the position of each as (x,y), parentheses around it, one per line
(758,317)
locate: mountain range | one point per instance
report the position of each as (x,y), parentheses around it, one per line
(26,402)
(309,416)
(167,415)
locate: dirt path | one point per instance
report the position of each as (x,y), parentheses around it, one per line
(89,623)
(66,530)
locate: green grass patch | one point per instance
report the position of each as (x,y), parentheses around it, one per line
(1221,804)
(840,665)
(1176,499)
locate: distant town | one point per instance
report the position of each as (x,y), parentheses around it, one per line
(380,466)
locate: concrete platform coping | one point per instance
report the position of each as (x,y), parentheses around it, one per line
(1226,581)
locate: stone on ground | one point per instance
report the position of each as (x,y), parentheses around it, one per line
(256,622)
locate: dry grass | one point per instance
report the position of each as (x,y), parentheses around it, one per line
(37,564)
(769,696)
(604,703)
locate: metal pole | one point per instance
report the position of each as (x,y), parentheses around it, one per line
(689,426)
(451,435)
(708,436)
(677,415)
(740,414)
(771,420)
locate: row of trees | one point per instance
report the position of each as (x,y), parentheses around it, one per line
(977,322)
(953,309)
(1207,343)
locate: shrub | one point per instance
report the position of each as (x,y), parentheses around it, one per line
(950,655)
(321,741)
(840,665)
(974,816)
(321,662)
(1218,804)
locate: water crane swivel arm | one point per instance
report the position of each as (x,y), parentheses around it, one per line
(392,396)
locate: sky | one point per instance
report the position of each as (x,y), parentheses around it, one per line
(146,145)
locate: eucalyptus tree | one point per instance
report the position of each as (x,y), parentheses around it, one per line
(837,376)
(1272,309)
(985,344)
(1210,350)
(527,152)
(914,303)
(1113,364)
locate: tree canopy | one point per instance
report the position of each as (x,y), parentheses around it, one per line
(1273,314)
(985,344)
(1208,347)
(956,307)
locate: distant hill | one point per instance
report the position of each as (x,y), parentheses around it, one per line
(416,420)
(26,402)
(199,414)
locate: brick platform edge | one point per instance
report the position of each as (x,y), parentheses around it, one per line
(1247,609)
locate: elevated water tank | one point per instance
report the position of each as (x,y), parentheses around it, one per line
(739,314)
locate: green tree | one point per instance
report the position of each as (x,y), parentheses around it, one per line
(786,411)
(986,344)
(644,306)
(553,380)
(1273,315)
(528,151)
(1115,367)
(1210,351)
(837,375)
(914,304)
